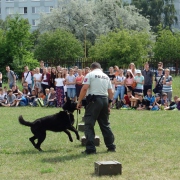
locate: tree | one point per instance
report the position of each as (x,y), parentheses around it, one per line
(101,17)
(55,45)
(16,46)
(158,11)
(122,47)
(167,45)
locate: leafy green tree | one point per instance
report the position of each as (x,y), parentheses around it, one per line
(15,43)
(60,44)
(122,47)
(167,46)
(158,12)
(102,16)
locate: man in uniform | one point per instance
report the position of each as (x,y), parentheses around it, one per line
(98,88)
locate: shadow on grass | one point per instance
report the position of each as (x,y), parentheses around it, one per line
(29,152)
(68,157)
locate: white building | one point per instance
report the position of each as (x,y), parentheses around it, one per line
(29,9)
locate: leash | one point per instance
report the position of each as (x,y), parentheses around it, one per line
(78,112)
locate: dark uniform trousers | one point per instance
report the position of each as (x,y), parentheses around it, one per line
(98,110)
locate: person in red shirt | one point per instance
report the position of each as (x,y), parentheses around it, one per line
(79,81)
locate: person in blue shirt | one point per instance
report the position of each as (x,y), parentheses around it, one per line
(149,98)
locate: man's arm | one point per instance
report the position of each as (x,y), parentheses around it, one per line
(82,94)
(110,94)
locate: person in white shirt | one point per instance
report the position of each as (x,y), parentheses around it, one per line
(27,77)
(59,85)
(37,80)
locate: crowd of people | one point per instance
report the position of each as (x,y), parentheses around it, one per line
(49,86)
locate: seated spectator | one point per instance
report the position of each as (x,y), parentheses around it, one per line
(5,92)
(39,101)
(127,99)
(150,99)
(2,96)
(141,103)
(16,90)
(178,103)
(165,101)
(173,105)
(157,103)
(52,98)
(46,96)
(20,100)
(134,100)
(31,97)
(10,99)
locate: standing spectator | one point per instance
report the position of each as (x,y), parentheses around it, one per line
(32,77)
(70,82)
(65,74)
(119,82)
(133,68)
(160,65)
(11,77)
(167,84)
(49,70)
(79,81)
(53,77)
(129,81)
(148,78)
(159,81)
(27,77)
(37,80)
(87,70)
(140,81)
(0,79)
(45,80)
(59,84)
(116,70)
(111,76)
(97,110)
(41,66)
(58,68)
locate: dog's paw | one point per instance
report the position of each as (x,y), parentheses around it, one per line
(71,140)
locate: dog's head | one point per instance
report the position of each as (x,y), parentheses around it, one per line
(69,105)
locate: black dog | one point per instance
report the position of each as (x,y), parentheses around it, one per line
(61,121)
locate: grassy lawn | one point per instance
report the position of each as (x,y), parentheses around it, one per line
(147,146)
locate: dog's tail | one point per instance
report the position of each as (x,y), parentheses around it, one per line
(23,122)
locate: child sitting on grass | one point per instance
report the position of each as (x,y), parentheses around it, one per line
(141,103)
(173,105)
(157,103)
(150,99)
(164,101)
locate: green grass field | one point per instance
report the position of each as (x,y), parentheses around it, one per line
(147,146)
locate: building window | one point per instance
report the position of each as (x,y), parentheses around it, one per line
(10,10)
(22,0)
(48,9)
(9,0)
(23,10)
(0,11)
(35,10)
(35,22)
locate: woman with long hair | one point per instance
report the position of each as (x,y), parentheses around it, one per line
(129,81)
(59,85)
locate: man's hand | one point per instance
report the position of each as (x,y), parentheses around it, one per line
(79,105)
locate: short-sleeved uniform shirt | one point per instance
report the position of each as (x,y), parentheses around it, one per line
(99,83)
